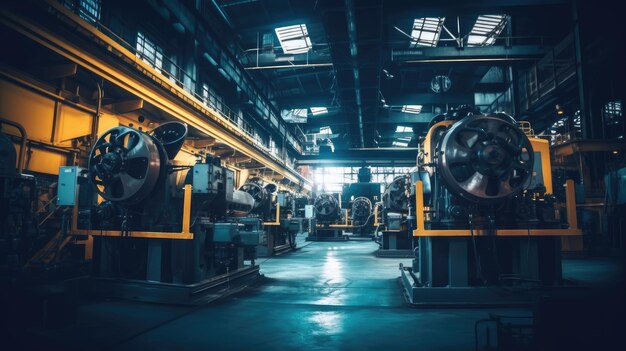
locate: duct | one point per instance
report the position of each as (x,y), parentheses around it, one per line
(350,18)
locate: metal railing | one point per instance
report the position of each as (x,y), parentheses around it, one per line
(552,71)
(231,120)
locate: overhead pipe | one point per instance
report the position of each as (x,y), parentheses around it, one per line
(350,18)
(305,65)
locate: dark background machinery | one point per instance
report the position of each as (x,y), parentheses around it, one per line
(276,209)
(32,241)
(396,219)
(360,198)
(329,218)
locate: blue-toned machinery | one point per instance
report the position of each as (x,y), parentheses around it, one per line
(484,213)
(360,198)
(395,219)
(277,210)
(329,218)
(161,232)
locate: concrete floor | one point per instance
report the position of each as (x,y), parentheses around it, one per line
(325,296)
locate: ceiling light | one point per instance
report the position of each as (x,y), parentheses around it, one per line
(294,39)
(414,109)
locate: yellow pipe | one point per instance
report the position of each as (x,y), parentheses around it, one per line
(570,203)
(571,231)
(277,219)
(419,207)
(376,224)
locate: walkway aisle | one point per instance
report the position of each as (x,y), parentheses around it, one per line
(325,296)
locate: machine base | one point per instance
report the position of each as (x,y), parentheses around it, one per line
(382,253)
(493,296)
(179,294)
(275,251)
(326,238)
(327,234)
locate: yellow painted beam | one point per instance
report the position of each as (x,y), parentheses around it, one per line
(218,127)
(573,229)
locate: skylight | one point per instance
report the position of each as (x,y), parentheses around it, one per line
(404,129)
(426,31)
(325,130)
(294,115)
(318,110)
(414,109)
(294,39)
(486,29)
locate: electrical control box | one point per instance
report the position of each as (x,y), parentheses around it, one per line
(68,182)
(308,211)
(281,199)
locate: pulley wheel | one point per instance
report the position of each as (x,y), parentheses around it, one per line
(124,165)
(326,206)
(485,158)
(361,208)
(256,190)
(395,194)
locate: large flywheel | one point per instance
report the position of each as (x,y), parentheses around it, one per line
(259,194)
(361,208)
(326,207)
(485,158)
(124,165)
(395,196)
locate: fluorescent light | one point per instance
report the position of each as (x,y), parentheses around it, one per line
(325,130)
(399,143)
(426,31)
(294,39)
(404,129)
(486,29)
(414,109)
(318,110)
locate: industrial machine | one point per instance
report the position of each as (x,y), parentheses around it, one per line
(394,219)
(360,198)
(161,231)
(276,210)
(18,199)
(330,220)
(484,213)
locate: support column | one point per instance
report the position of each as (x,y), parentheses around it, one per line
(583,93)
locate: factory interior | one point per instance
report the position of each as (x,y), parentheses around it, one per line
(312,175)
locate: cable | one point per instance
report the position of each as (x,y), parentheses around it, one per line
(528,247)
(479,272)
(493,234)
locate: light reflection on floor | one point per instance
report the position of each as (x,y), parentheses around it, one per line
(325,323)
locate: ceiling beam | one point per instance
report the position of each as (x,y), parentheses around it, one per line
(304,100)
(435,8)
(400,157)
(125,106)
(396,118)
(59,71)
(400,99)
(494,53)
